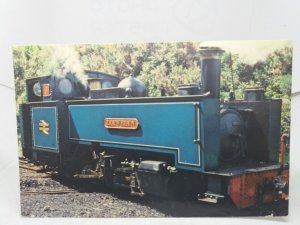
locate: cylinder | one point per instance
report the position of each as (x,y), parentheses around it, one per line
(210,70)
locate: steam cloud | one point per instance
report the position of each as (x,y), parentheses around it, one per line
(65,59)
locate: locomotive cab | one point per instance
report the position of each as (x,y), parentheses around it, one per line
(52,88)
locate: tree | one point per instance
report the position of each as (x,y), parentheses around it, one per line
(158,65)
(29,61)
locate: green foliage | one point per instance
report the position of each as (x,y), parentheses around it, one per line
(159,65)
(29,61)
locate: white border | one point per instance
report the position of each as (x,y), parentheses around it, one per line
(131,21)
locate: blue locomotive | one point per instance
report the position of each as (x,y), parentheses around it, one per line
(190,144)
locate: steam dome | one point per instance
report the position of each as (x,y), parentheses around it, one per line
(133,87)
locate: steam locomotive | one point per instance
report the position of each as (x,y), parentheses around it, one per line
(192,144)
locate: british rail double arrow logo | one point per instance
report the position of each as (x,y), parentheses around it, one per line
(44,127)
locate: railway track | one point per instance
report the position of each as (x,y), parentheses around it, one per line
(24,164)
(45,175)
(31,168)
(39,170)
(63,197)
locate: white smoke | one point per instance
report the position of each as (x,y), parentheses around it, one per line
(65,59)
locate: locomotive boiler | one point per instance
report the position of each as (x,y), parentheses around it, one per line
(187,145)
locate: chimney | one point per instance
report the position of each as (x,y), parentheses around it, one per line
(210,70)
